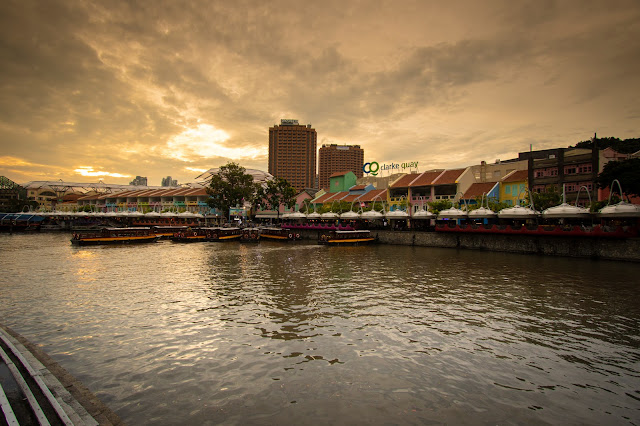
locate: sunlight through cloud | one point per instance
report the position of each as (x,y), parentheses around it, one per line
(88,171)
(207,141)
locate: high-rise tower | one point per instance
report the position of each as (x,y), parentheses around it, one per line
(337,159)
(292,153)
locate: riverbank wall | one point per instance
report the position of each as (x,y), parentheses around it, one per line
(624,249)
(79,404)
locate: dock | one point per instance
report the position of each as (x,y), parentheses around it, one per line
(35,390)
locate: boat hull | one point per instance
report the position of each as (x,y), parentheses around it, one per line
(350,242)
(114,240)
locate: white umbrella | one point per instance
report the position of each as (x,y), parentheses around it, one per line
(329,215)
(518,212)
(622,209)
(565,210)
(452,213)
(297,215)
(371,215)
(423,214)
(350,215)
(396,214)
(482,213)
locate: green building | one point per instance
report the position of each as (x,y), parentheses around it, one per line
(342,181)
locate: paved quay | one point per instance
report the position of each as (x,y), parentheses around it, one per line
(61,399)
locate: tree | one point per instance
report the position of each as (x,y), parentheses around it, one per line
(627,172)
(543,200)
(494,205)
(437,206)
(230,187)
(275,192)
(627,146)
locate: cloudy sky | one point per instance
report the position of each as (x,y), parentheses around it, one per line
(111,89)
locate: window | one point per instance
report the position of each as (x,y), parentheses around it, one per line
(507,189)
(585,168)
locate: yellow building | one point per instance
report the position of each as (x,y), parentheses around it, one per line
(513,187)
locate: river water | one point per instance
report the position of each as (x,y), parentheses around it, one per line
(211,333)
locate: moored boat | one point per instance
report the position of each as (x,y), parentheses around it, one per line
(115,236)
(250,235)
(359,237)
(190,235)
(168,231)
(279,234)
(223,234)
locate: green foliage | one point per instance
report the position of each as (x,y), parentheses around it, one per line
(403,204)
(627,146)
(230,187)
(627,172)
(437,206)
(543,200)
(19,205)
(597,205)
(342,207)
(378,206)
(494,204)
(275,192)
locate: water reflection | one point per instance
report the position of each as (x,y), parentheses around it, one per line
(269,333)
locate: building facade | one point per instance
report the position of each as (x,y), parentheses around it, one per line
(571,168)
(168,181)
(341,181)
(513,187)
(12,195)
(339,158)
(292,153)
(139,181)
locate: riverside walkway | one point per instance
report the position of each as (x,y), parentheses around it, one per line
(35,390)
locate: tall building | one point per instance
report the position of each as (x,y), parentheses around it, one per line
(139,180)
(168,181)
(337,159)
(292,153)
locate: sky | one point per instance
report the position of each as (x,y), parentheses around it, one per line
(108,90)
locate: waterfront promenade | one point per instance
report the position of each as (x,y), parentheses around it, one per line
(53,396)
(626,249)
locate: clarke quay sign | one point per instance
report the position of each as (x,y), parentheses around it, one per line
(374,167)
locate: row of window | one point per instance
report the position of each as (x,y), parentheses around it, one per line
(568,187)
(568,170)
(514,189)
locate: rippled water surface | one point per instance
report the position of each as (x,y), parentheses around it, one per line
(213,333)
